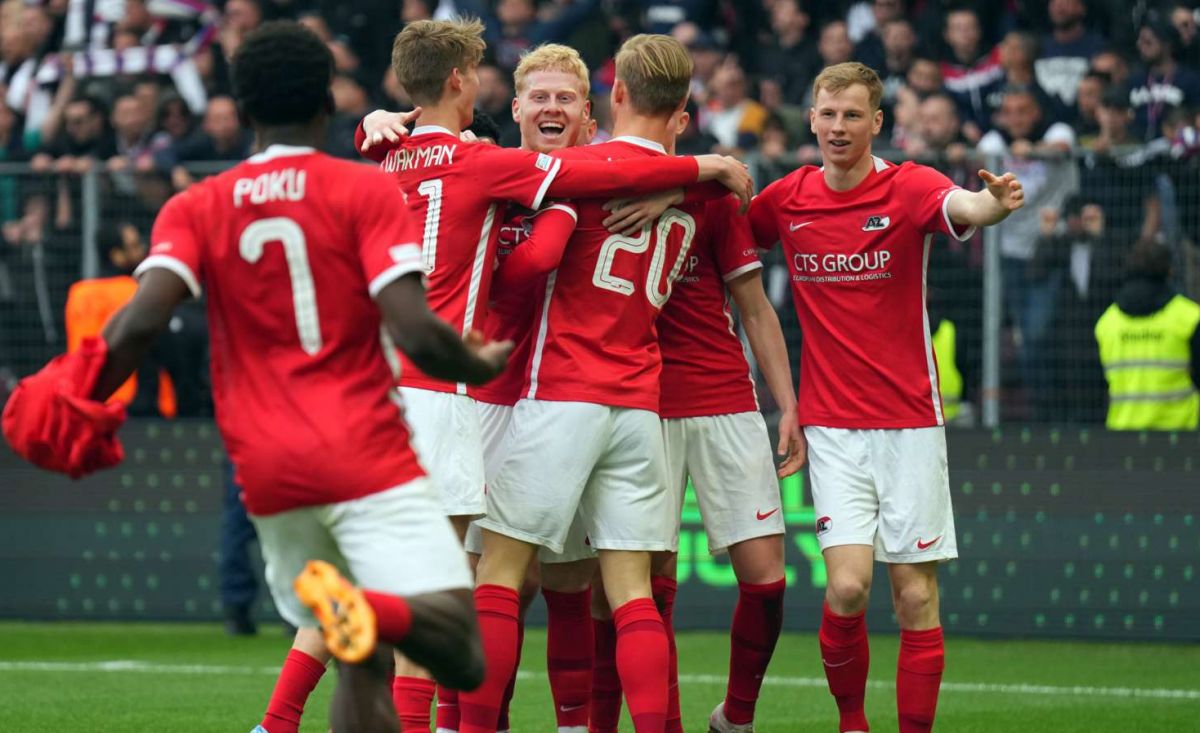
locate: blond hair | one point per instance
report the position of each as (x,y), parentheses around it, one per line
(552,57)
(834,79)
(657,71)
(427,51)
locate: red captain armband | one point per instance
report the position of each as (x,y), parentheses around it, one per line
(51,421)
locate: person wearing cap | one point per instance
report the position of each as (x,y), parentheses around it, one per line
(1163,83)
(1150,348)
(1114,173)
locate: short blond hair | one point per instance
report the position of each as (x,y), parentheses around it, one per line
(657,71)
(552,57)
(834,79)
(427,51)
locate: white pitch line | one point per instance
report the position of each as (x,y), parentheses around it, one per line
(134,666)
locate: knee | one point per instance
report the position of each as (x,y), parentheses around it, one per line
(848,594)
(916,602)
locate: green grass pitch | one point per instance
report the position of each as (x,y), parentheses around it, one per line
(144,678)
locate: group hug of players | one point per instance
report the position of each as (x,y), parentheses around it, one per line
(562,318)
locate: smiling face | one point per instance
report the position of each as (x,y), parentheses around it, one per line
(551,110)
(844,123)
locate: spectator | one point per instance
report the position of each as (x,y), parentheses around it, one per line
(1113,65)
(1018,51)
(350,105)
(706,58)
(495,98)
(85,139)
(1149,344)
(938,131)
(1087,107)
(772,160)
(131,127)
(1067,50)
(969,72)
(1184,20)
(899,52)
(833,45)
(905,130)
(692,141)
(1116,176)
(515,26)
(221,137)
(1025,139)
(173,124)
(790,60)
(869,47)
(1163,83)
(925,77)
(735,120)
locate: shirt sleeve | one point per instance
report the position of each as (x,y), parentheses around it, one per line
(509,174)
(583,178)
(387,237)
(925,195)
(732,238)
(764,224)
(174,244)
(541,252)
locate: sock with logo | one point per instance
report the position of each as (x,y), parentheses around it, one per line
(569,651)
(297,679)
(757,621)
(412,697)
(643,658)
(846,658)
(498,608)
(447,710)
(663,589)
(604,710)
(918,678)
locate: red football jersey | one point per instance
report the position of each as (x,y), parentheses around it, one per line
(290,246)
(460,190)
(704,367)
(513,308)
(595,335)
(858,260)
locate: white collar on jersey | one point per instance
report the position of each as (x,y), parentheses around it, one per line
(880,164)
(280,150)
(639,141)
(429,130)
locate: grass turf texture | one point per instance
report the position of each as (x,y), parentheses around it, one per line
(193,678)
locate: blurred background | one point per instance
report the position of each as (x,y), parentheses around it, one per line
(108,107)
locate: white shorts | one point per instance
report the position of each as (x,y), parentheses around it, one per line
(605,462)
(397,541)
(885,488)
(728,458)
(447,438)
(494,421)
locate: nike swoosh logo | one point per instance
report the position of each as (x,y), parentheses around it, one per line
(801,224)
(762,516)
(843,664)
(926,545)
(569,708)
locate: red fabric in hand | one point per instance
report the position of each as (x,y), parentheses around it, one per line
(51,421)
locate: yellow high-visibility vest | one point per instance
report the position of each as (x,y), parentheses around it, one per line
(949,377)
(1147,362)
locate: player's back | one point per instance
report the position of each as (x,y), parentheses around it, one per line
(595,337)
(285,245)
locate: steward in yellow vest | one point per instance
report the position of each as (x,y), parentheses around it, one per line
(1150,349)
(945,348)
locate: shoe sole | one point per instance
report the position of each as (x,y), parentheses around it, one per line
(347,620)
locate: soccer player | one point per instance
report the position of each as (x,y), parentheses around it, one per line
(585,437)
(299,253)
(459,191)
(857,234)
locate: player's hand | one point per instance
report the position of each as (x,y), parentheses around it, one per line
(793,447)
(729,172)
(493,353)
(1006,189)
(382,125)
(629,216)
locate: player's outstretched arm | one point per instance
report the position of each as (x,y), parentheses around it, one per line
(1003,196)
(431,343)
(765,335)
(381,130)
(132,330)
(577,178)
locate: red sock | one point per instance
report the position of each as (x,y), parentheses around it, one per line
(502,719)
(569,654)
(664,589)
(447,709)
(643,658)
(498,608)
(846,656)
(393,618)
(412,697)
(300,674)
(918,677)
(604,711)
(757,621)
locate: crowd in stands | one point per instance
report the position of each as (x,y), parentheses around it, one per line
(1094,104)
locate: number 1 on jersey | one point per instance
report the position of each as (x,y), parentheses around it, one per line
(304,294)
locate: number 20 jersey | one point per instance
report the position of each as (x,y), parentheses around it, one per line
(290,247)
(594,337)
